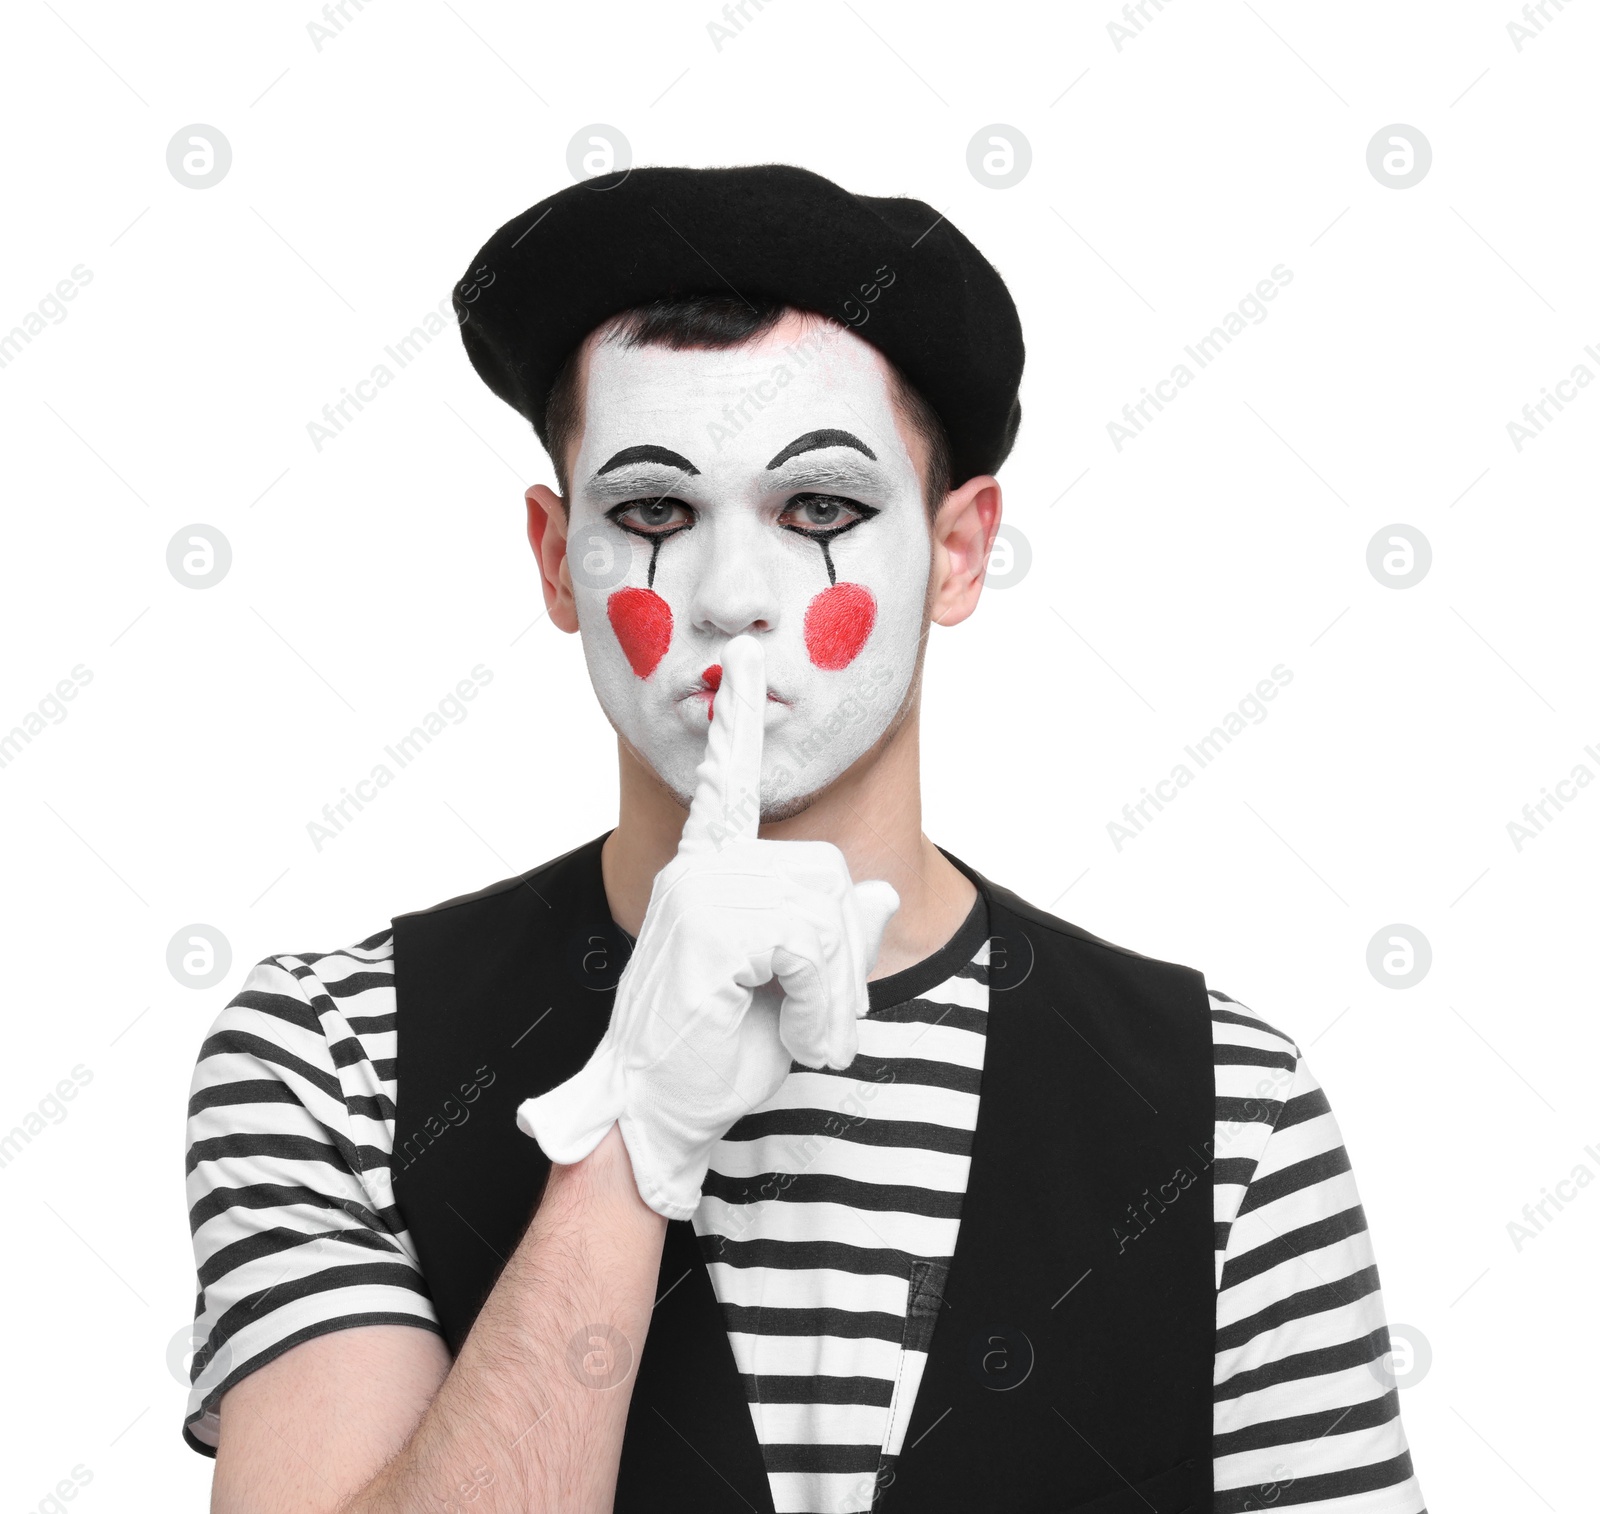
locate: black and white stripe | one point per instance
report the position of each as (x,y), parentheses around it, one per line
(291,1128)
(828,1221)
(1304,1415)
(829,1287)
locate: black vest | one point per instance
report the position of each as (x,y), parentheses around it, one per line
(1071,1363)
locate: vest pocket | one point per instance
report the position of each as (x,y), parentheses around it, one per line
(924,1299)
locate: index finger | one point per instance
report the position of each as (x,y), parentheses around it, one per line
(727,796)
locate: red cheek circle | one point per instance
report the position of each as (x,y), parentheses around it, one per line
(838,622)
(642,620)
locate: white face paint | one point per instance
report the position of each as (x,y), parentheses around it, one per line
(712,493)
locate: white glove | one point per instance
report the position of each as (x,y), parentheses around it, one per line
(751,953)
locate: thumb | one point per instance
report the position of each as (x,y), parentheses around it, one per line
(877,902)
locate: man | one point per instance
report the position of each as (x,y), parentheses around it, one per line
(855,1181)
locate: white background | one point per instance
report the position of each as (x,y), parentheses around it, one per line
(1167,178)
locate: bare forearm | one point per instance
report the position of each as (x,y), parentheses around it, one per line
(532,1414)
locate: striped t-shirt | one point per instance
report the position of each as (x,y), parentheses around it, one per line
(828,1223)
(296,1233)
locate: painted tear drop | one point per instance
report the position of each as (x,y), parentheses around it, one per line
(838,622)
(642,620)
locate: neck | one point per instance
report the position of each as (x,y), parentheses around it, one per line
(873,814)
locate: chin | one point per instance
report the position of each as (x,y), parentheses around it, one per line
(787,809)
(782,807)
(791,800)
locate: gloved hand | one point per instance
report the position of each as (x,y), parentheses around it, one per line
(751,953)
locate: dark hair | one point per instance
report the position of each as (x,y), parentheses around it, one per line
(721,321)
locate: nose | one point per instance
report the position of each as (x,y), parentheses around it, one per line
(735,590)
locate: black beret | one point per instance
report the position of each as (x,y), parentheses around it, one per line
(894,270)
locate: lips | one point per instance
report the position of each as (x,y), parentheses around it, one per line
(711,681)
(706,686)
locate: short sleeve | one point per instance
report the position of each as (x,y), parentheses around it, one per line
(290,1134)
(1306,1414)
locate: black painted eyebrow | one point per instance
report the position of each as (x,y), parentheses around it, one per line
(646,452)
(814,439)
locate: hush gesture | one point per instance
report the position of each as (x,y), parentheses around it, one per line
(752,953)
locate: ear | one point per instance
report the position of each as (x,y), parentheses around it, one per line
(547,535)
(963,535)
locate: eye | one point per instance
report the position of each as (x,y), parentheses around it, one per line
(823,515)
(652,517)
